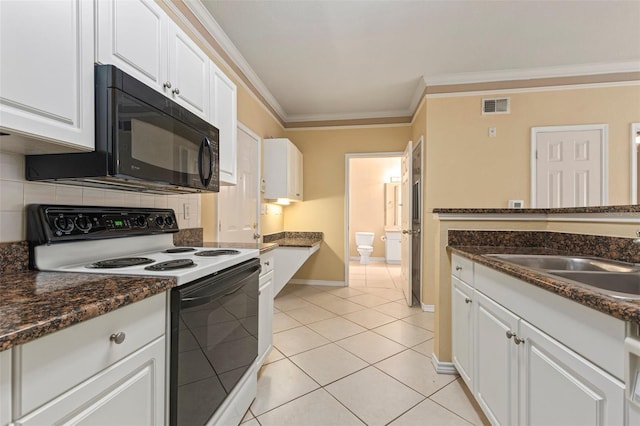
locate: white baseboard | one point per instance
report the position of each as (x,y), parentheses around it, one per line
(319,282)
(377,259)
(443,367)
(428,308)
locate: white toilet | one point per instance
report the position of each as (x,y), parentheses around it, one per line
(364,241)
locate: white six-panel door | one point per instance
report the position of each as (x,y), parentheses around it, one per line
(569,166)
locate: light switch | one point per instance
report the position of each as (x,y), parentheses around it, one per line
(492,132)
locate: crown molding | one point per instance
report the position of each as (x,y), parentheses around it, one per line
(216,31)
(349,116)
(532,73)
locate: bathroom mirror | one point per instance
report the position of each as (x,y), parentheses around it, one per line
(392,205)
(635,160)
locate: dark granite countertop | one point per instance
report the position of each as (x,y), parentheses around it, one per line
(263,247)
(626,310)
(629,209)
(295,238)
(34,304)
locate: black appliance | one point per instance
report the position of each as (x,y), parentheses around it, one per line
(214,341)
(144,141)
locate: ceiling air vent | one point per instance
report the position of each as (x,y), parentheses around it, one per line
(495,106)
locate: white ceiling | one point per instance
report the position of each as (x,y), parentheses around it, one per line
(323,60)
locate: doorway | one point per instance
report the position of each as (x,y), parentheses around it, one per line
(239,205)
(373,206)
(569,166)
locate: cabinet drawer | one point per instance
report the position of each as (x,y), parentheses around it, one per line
(462,268)
(267,262)
(51,365)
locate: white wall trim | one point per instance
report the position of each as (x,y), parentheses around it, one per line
(604,150)
(443,367)
(428,308)
(533,73)
(534,89)
(635,129)
(318,282)
(627,217)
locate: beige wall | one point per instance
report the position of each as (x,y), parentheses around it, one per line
(323,208)
(367,177)
(466,168)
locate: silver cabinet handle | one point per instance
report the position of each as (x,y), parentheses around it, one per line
(167,85)
(458,268)
(117,338)
(267,263)
(510,334)
(517,340)
(176,91)
(467,300)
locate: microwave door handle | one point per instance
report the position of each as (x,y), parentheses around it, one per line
(206,143)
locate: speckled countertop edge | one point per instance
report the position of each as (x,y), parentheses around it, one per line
(262,247)
(630,209)
(626,310)
(35,304)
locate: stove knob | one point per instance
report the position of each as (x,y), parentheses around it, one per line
(141,221)
(159,221)
(64,224)
(83,223)
(168,221)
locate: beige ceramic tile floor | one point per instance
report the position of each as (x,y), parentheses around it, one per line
(355,355)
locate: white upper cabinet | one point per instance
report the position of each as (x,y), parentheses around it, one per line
(138,37)
(282,170)
(188,72)
(132,36)
(224,117)
(46,83)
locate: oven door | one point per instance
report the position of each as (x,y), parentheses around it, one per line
(151,145)
(214,340)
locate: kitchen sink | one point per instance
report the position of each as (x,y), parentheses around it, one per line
(567,263)
(624,285)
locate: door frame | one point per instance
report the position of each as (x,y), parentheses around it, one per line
(241,126)
(604,130)
(635,129)
(347,157)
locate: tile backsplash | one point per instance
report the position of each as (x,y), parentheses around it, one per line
(16,193)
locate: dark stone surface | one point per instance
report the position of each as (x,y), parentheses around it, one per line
(294,238)
(475,245)
(34,304)
(191,237)
(14,257)
(633,209)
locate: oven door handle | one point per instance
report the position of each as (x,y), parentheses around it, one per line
(202,299)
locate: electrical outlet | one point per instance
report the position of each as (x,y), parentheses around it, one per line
(492,132)
(186,211)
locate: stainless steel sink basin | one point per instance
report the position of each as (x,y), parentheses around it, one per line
(625,285)
(567,263)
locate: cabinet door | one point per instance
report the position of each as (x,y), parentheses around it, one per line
(224,117)
(560,387)
(265,317)
(294,172)
(5,387)
(188,72)
(496,362)
(132,35)
(130,392)
(46,83)
(462,329)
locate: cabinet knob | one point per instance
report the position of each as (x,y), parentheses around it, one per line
(267,263)
(117,338)
(167,85)
(467,300)
(517,340)
(458,268)
(510,334)
(176,91)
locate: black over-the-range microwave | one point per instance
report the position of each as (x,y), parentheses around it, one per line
(144,141)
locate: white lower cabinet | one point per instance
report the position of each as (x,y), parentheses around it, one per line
(462,321)
(520,369)
(104,371)
(265,308)
(5,387)
(129,392)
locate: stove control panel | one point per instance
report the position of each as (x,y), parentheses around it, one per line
(51,223)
